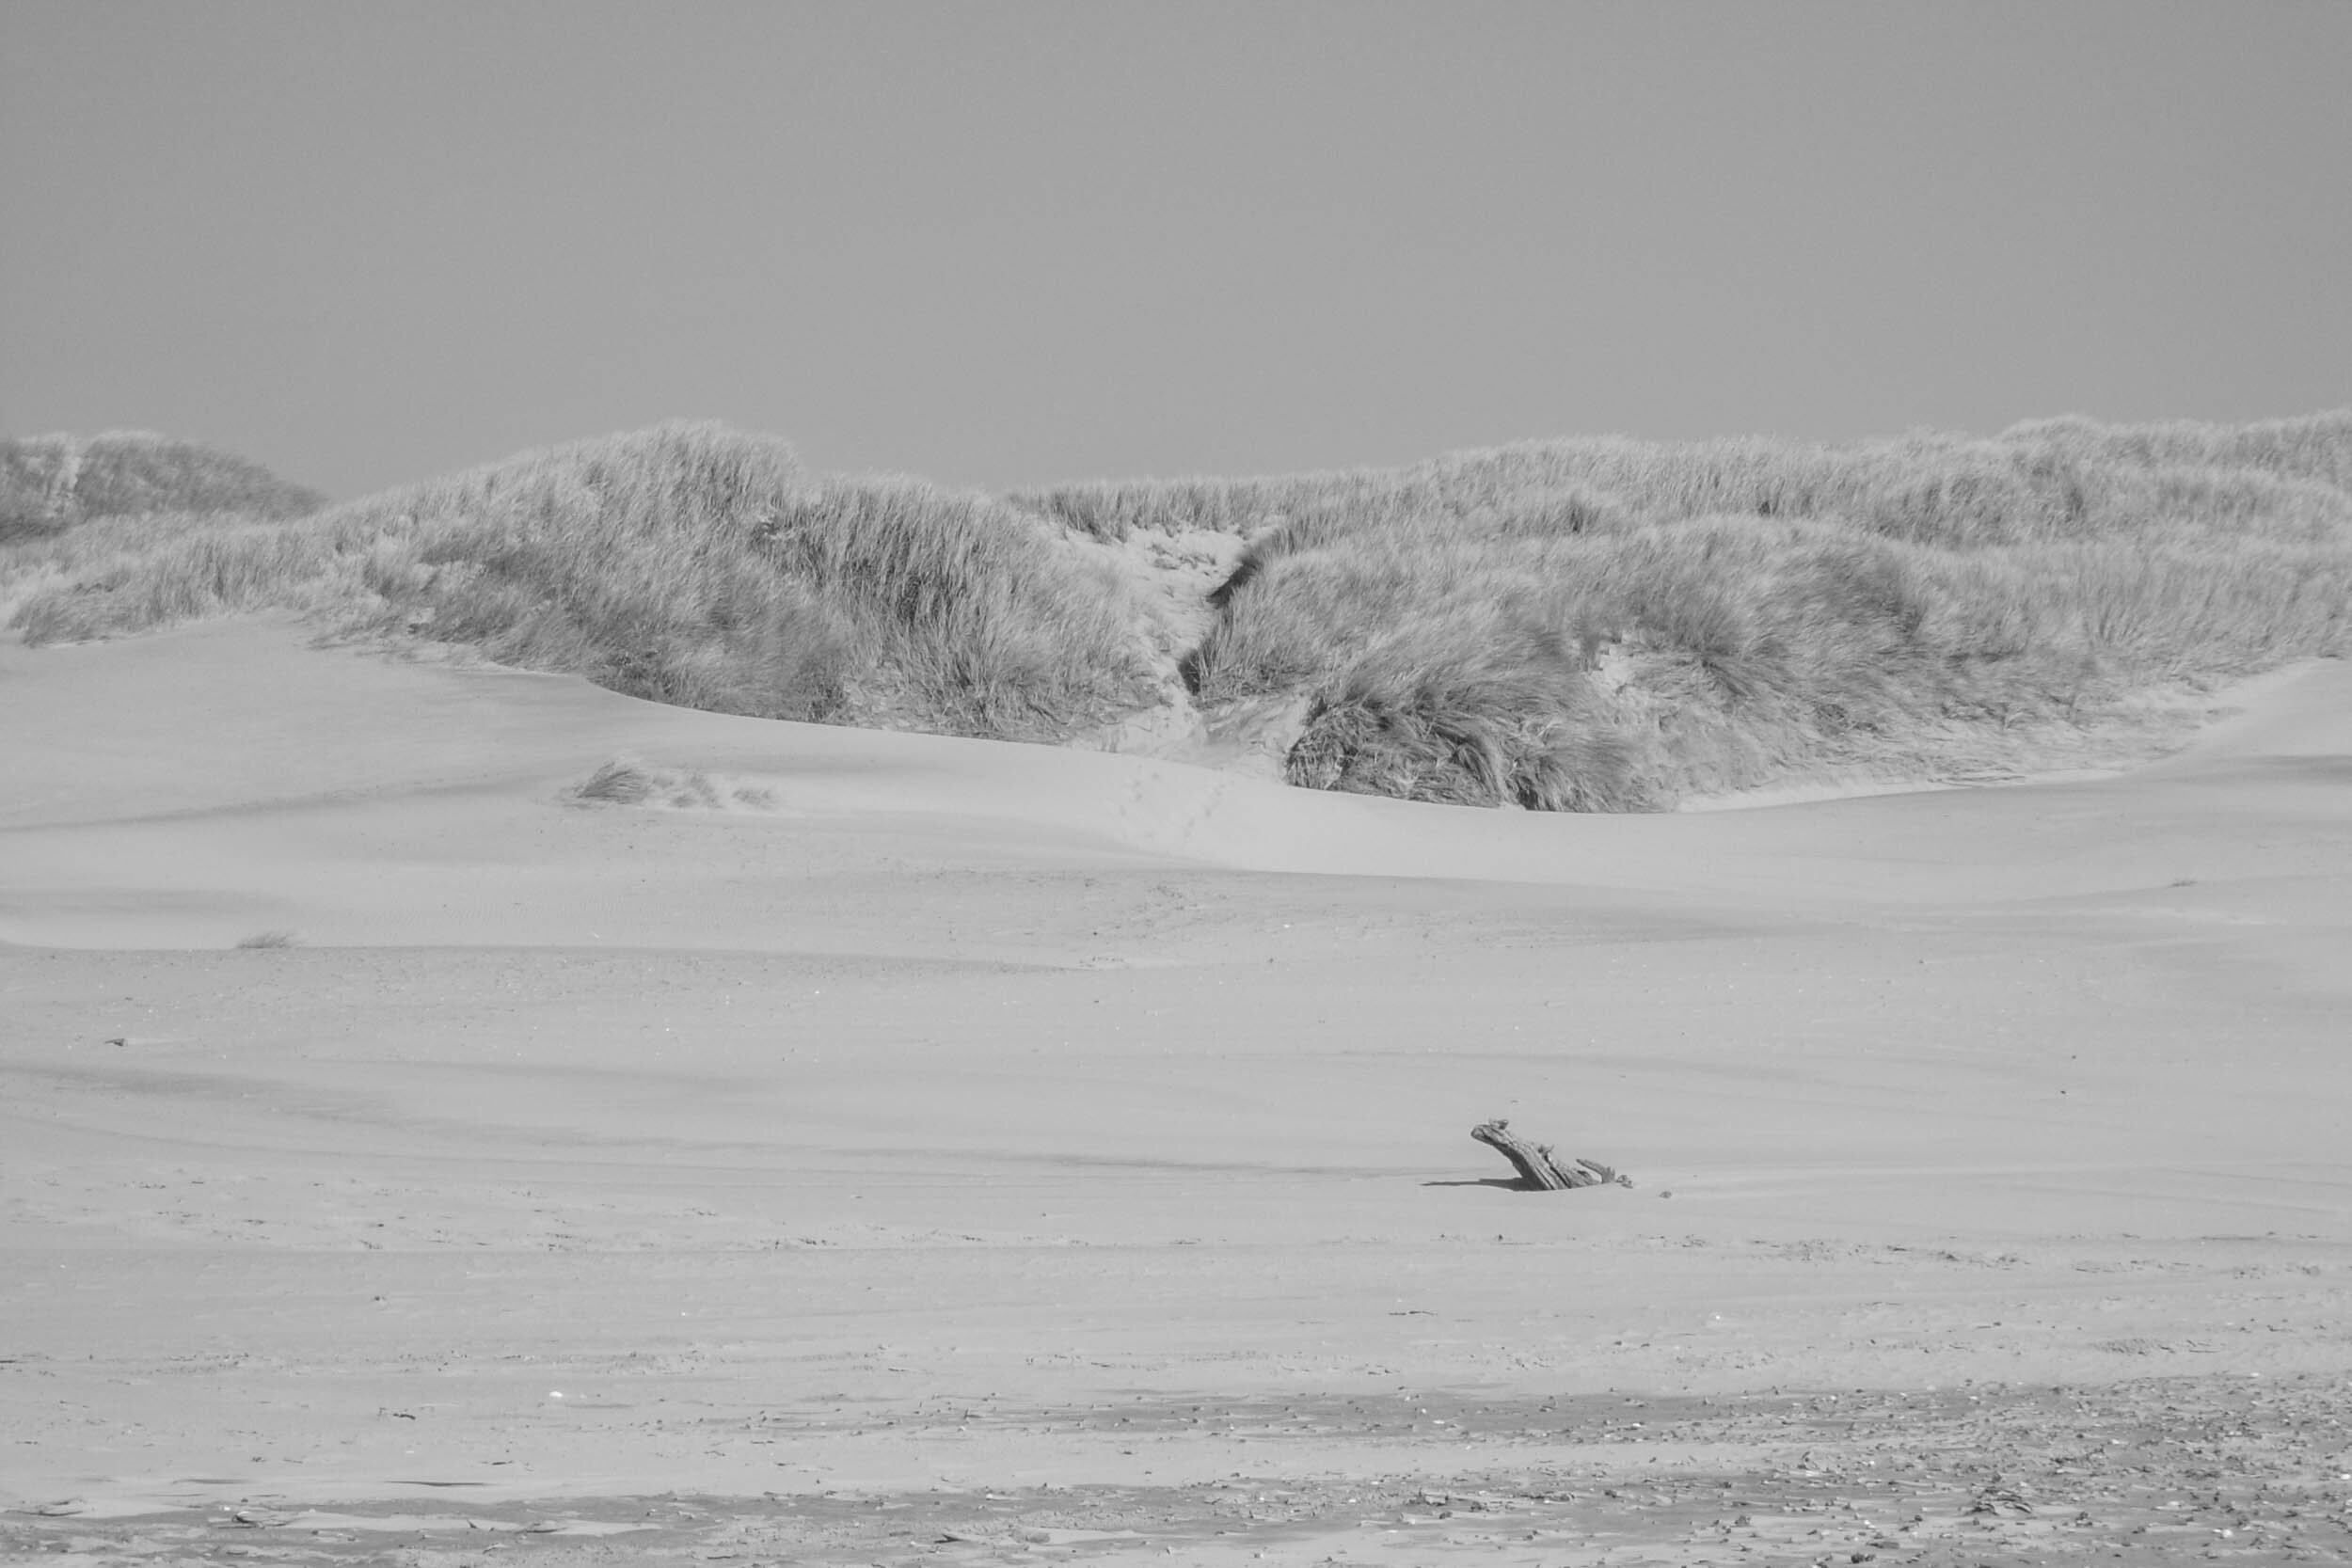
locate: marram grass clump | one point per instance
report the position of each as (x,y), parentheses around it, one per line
(70,504)
(689,564)
(1611,624)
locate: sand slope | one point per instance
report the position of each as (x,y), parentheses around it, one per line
(948,1077)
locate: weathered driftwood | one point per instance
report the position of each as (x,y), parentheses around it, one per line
(1538,1167)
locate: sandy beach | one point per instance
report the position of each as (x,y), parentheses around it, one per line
(941,1151)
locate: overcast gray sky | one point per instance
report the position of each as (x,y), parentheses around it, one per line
(1003,243)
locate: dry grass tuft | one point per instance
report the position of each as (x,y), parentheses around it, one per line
(619,783)
(625,781)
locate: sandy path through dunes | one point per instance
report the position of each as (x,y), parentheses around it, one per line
(870,1138)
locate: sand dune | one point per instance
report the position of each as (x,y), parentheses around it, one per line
(937,1077)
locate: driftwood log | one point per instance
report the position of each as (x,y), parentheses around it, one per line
(1538,1167)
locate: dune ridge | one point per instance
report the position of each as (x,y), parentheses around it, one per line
(1591,625)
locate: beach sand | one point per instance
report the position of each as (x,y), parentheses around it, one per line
(943,1150)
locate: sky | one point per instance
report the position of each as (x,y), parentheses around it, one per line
(1001,244)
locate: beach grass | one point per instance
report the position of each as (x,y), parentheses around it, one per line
(689,564)
(1596,623)
(1604,624)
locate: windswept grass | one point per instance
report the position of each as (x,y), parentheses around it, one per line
(688,564)
(68,503)
(1598,623)
(1605,624)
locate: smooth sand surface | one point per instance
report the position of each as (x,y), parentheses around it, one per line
(864,1136)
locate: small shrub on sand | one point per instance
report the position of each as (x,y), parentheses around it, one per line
(269,940)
